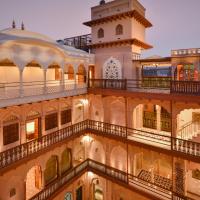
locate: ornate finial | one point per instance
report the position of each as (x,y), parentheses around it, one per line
(102,2)
(13,24)
(22,26)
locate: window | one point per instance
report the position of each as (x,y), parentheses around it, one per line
(10,133)
(119,29)
(66,116)
(51,121)
(100,33)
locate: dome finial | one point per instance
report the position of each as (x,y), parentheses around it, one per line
(13,24)
(22,26)
(102,2)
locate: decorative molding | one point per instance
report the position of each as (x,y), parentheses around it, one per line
(115,43)
(130,14)
(112,69)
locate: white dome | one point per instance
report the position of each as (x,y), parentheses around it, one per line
(11,33)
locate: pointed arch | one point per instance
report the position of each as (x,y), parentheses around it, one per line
(112,69)
(119,29)
(66,160)
(100,33)
(51,170)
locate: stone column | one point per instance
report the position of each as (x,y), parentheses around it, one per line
(174,120)
(21,89)
(43,125)
(43,180)
(75,81)
(62,81)
(22,132)
(45,80)
(158,117)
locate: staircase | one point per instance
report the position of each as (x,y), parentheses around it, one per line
(190,131)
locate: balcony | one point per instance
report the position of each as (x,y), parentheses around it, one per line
(20,93)
(159,141)
(135,183)
(148,86)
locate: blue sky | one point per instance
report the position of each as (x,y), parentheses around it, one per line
(176,22)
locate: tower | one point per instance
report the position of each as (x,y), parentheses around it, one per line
(118,35)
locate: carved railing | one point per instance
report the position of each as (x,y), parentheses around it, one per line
(107,172)
(25,150)
(35,88)
(185,87)
(119,84)
(149,85)
(186,146)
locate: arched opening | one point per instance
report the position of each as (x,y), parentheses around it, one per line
(10,78)
(69,77)
(79,153)
(51,170)
(53,78)
(78,112)
(33,181)
(33,125)
(33,77)
(117,113)
(66,160)
(119,29)
(81,75)
(100,33)
(11,131)
(119,158)
(188,125)
(97,152)
(96,110)
(152,117)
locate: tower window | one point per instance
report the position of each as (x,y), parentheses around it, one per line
(100,33)
(119,29)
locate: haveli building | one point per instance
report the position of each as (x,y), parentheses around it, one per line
(86,118)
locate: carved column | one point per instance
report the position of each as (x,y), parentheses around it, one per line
(21,89)
(158,116)
(45,80)
(22,132)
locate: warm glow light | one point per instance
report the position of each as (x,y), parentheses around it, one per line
(90,174)
(84,101)
(87,138)
(30,127)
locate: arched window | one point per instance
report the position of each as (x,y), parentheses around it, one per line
(51,171)
(119,29)
(100,33)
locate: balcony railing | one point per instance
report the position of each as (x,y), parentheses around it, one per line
(156,190)
(13,155)
(185,87)
(28,91)
(148,85)
(107,84)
